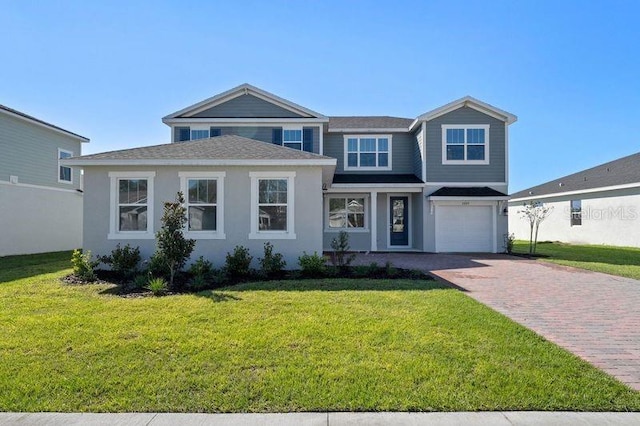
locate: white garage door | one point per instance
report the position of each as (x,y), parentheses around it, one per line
(464,229)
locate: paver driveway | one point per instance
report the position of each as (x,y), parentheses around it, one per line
(595,316)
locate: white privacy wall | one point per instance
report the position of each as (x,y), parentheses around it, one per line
(610,218)
(39,220)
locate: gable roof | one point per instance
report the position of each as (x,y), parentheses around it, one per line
(368,123)
(243,89)
(21,115)
(470,102)
(621,172)
(221,150)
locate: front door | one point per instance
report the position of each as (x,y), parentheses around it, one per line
(399,226)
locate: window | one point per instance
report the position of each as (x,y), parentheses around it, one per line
(576,212)
(65,174)
(272,205)
(465,144)
(346,213)
(292,138)
(131,202)
(199,134)
(204,193)
(215,131)
(367,152)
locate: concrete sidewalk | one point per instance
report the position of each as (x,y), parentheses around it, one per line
(494,418)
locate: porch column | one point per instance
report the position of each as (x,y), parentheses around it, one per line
(373,226)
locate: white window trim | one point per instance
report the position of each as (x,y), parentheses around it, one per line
(218,234)
(256,233)
(284,128)
(465,127)
(328,197)
(346,151)
(114,233)
(66,151)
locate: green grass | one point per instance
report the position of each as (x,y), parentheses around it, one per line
(622,261)
(316,345)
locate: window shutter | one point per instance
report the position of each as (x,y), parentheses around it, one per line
(307,140)
(276,136)
(184,134)
(213,132)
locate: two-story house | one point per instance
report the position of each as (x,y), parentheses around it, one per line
(255,167)
(40,199)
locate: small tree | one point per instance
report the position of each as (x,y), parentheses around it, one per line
(340,256)
(173,247)
(535,212)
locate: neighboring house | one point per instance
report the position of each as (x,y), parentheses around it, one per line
(256,167)
(600,205)
(40,199)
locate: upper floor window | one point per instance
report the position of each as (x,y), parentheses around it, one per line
(131,213)
(292,138)
(576,212)
(367,152)
(204,196)
(65,174)
(183,134)
(199,134)
(465,144)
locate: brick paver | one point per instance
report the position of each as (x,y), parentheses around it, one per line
(596,316)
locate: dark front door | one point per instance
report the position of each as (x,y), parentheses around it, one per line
(399,214)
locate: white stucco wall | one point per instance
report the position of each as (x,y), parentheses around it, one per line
(611,218)
(237,216)
(39,220)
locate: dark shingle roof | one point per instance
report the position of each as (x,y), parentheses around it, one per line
(37,120)
(375,178)
(228,147)
(622,171)
(453,191)
(370,122)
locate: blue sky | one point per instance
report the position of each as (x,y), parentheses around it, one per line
(111,70)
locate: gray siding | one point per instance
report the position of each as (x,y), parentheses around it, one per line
(264,134)
(237,220)
(417,156)
(402,153)
(246,106)
(31,153)
(492,172)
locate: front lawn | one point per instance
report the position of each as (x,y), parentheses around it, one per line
(622,261)
(317,345)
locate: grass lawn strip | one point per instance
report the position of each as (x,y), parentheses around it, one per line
(320,345)
(621,261)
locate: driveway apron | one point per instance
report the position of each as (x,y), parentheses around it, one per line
(595,316)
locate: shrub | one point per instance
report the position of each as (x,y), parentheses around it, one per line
(83,266)
(390,270)
(340,256)
(272,264)
(174,248)
(312,265)
(123,260)
(508,243)
(199,282)
(140,281)
(158,286)
(201,268)
(158,266)
(374,269)
(238,263)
